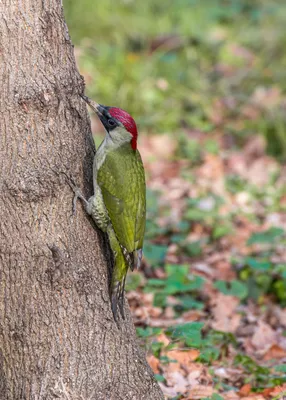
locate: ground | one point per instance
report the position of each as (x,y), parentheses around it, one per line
(209,302)
(205,81)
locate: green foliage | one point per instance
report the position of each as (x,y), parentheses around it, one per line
(187,302)
(232,288)
(215,396)
(147,332)
(258,375)
(169,62)
(133,281)
(206,210)
(159,378)
(280,368)
(189,333)
(235,184)
(178,282)
(257,273)
(189,148)
(155,254)
(267,237)
(212,345)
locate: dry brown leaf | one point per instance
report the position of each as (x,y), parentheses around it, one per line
(200,391)
(154,312)
(192,315)
(176,380)
(165,323)
(194,376)
(248,346)
(245,390)
(161,172)
(266,97)
(279,390)
(223,310)
(222,373)
(231,395)
(280,314)
(168,391)
(264,336)
(255,147)
(254,397)
(169,312)
(158,146)
(266,392)
(260,170)
(147,298)
(275,351)
(154,363)
(211,174)
(163,339)
(185,357)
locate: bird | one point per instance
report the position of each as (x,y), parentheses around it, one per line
(118,205)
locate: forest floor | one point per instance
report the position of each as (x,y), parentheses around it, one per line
(209,302)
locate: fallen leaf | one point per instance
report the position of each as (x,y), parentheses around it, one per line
(194,377)
(163,339)
(169,312)
(154,363)
(221,372)
(256,173)
(200,391)
(264,336)
(266,97)
(184,358)
(223,310)
(193,315)
(231,395)
(176,380)
(279,390)
(280,314)
(159,146)
(245,390)
(275,351)
(255,147)
(154,312)
(168,391)
(266,392)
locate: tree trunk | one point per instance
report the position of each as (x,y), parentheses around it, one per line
(58,339)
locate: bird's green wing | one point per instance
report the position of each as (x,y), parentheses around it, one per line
(121,179)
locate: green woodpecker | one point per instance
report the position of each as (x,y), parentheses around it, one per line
(118,205)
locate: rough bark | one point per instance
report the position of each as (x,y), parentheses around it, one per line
(58,339)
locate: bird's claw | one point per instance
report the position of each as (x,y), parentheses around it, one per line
(77,195)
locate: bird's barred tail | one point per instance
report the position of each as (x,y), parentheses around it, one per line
(117,297)
(118,276)
(138,258)
(133,259)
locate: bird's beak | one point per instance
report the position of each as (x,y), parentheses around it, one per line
(98,108)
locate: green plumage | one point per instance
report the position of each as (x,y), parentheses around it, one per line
(122,183)
(119,180)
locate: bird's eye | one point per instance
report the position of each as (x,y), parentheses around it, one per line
(111,122)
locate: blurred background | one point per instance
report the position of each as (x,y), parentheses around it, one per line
(205,81)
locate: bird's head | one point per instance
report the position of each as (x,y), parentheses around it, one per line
(119,125)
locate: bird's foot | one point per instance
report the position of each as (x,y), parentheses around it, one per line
(77,195)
